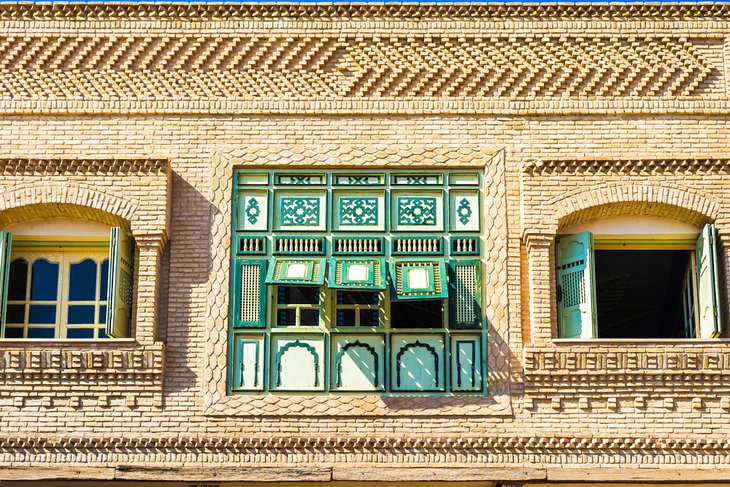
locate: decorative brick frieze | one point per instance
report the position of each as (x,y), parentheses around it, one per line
(647,368)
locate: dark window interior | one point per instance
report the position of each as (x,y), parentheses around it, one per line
(639,293)
(417,313)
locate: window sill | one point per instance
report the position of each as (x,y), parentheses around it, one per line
(638,341)
(107,342)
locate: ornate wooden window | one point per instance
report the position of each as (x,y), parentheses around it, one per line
(357,282)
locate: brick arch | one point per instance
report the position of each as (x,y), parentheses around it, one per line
(665,201)
(52,200)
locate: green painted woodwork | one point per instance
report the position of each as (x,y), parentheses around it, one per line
(121,272)
(302,272)
(248,357)
(465,294)
(418,279)
(576,286)
(419,211)
(359,363)
(466,353)
(336,231)
(249,298)
(6,244)
(417,362)
(707,283)
(298,363)
(357,274)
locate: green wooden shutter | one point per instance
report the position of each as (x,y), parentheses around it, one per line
(465,293)
(576,289)
(6,240)
(121,283)
(707,284)
(249,294)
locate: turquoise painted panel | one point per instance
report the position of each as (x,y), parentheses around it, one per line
(418,279)
(417,363)
(465,294)
(417,179)
(359,363)
(359,180)
(253,207)
(301,179)
(575,287)
(357,274)
(298,363)
(300,211)
(465,212)
(249,294)
(466,363)
(248,363)
(417,211)
(707,284)
(358,211)
(297,271)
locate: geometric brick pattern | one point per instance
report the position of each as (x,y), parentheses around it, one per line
(318,67)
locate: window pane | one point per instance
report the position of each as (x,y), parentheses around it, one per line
(42,314)
(13,332)
(345,317)
(286,317)
(426,313)
(82,281)
(309,317)
(357,297)
(80,333)
(18,280)
(102,314)
(44,282)
(41,333)
(81,315)
(104,281)
(369,317)
(15,313)
(298,295)
(102,333)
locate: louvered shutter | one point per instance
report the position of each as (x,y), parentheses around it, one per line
(576,289)
(707,284)
(465,293)
(249,294)
(121,284)
(5,247)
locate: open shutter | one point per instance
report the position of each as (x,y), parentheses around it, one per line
(249,294)
(707,284)
(576,289)
(465,293)
(121,282)
(5,247)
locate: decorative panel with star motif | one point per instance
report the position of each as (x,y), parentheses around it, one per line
(359,211)
(464,214)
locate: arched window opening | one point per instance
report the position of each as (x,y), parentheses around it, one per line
(637,277)
(65,279)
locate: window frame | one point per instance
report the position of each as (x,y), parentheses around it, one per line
(256,241)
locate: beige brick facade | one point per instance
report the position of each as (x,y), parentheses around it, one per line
(136,115)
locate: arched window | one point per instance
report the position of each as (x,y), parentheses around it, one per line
(65,279)
(637,277)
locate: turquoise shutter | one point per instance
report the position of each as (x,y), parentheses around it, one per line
(465,293)
(707,284)
(121,283)
(6,240)
(249,294)
(576,288)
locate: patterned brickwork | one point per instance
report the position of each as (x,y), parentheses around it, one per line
(137,114)
(195,67)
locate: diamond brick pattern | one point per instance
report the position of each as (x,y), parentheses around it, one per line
(304,67)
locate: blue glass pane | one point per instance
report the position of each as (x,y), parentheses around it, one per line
(15,313)
(369,317)
(42,314)
(13,332)
(102,314)
(44,282)
(81,315)
(18,280)
(102,334)
(82,281)
(80,333)
(345,317)
(104,280)
(41,333)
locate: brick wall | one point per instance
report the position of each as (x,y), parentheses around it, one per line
(575,112)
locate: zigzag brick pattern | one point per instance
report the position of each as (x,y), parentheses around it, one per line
(276,67)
